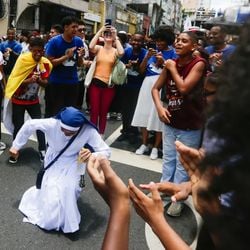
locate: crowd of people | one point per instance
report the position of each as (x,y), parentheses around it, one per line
(181,90)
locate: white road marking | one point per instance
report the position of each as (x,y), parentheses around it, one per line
(130,158)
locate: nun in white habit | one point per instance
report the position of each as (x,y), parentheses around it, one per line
(54,206)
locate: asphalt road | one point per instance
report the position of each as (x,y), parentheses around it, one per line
(15,179)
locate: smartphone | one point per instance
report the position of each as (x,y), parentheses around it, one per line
(151,45)
(108,22)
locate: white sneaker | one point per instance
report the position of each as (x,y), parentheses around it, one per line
(154,154)
(2,145)
(119,117)
(175,209)
(142,149)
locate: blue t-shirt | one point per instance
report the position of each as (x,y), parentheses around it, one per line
(134,78)
(152,70)
(67,71)
(14,45)
(226,52)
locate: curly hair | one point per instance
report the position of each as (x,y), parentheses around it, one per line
(231,125)
(165,33)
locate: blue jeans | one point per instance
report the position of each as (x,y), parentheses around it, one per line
(172,170)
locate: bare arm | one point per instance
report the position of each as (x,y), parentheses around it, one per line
(119,48)
(151,210)
(36,79)
(115,194)
(57,61)
(185,85)
(143,65)
(93,47)
(163,113)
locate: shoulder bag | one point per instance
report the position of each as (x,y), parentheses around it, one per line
(119,73)
(42,170)
(90,73)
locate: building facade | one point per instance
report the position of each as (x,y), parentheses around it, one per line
(129,15)
(41,14)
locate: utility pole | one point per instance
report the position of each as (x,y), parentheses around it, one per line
(103,12)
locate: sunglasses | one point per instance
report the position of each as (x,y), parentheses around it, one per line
(82,30)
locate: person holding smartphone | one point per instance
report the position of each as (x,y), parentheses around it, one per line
(145,115)
(100,94)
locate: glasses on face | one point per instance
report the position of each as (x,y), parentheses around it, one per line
(81,30)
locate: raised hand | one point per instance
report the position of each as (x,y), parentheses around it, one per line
(177,192)
(107,183)
(190,158)
(70,52)
(149,208)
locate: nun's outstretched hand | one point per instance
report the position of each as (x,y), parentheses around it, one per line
(84,155)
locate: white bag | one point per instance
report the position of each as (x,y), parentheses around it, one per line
(90,74)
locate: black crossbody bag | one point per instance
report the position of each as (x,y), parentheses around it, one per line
(42,170)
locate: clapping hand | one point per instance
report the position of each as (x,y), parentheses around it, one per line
(177,192)
(149,208)
(107,182)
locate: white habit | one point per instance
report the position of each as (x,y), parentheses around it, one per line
(54,206)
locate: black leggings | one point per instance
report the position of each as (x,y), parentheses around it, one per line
(62,95)
(34,111)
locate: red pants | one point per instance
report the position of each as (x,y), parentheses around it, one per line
(100,101)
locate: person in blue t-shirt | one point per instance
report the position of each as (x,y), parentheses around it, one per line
(145,115)
(218,50)
(11,49)
(132,58)
(65,53)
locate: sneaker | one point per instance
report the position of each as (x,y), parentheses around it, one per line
(2,145)
(142,149)
(119,117)
(166,199)
(12,160)
(41,155)
(108,116)
(113,115)
(175,209)
(154,154)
